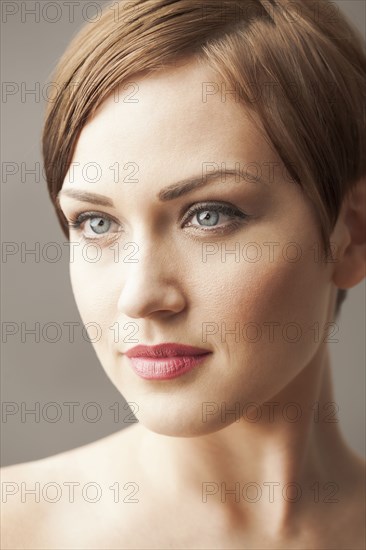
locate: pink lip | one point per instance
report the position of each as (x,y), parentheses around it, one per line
(165,350)
(165,361)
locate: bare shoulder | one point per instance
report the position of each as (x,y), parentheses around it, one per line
(42,498)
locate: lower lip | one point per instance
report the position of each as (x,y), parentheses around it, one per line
(152,368)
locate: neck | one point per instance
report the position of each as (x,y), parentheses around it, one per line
(296,440)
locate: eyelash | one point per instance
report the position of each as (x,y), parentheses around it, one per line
(78,219)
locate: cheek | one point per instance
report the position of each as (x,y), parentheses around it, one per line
(279,286)
(96,299)
(266,319)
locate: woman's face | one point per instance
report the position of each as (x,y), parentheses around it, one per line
(246,284)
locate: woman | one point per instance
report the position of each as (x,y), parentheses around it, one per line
(206,161)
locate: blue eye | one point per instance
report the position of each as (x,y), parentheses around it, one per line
(208,215)
(100,225)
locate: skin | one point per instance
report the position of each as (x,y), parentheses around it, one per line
(181,443)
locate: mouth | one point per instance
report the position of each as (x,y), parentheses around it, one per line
(166,350)
(165,361)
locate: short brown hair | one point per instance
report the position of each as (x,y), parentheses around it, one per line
(296,45)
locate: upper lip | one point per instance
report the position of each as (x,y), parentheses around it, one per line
(165,350)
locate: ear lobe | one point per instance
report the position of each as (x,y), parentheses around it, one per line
(349,236)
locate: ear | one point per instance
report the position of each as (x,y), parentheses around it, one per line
(349,238)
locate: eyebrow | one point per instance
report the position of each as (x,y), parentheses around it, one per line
(169,193)
(85,196)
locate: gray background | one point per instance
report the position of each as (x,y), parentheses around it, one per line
(40,291)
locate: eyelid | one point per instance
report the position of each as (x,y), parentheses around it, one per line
(223,207)
(84,215)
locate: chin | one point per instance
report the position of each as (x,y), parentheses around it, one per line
(183,422)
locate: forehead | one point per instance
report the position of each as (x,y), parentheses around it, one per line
(171,122)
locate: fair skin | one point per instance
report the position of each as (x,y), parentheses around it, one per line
(176,456)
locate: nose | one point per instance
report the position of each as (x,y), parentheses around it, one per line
(151,286)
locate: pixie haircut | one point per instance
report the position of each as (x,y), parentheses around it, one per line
(298,67)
